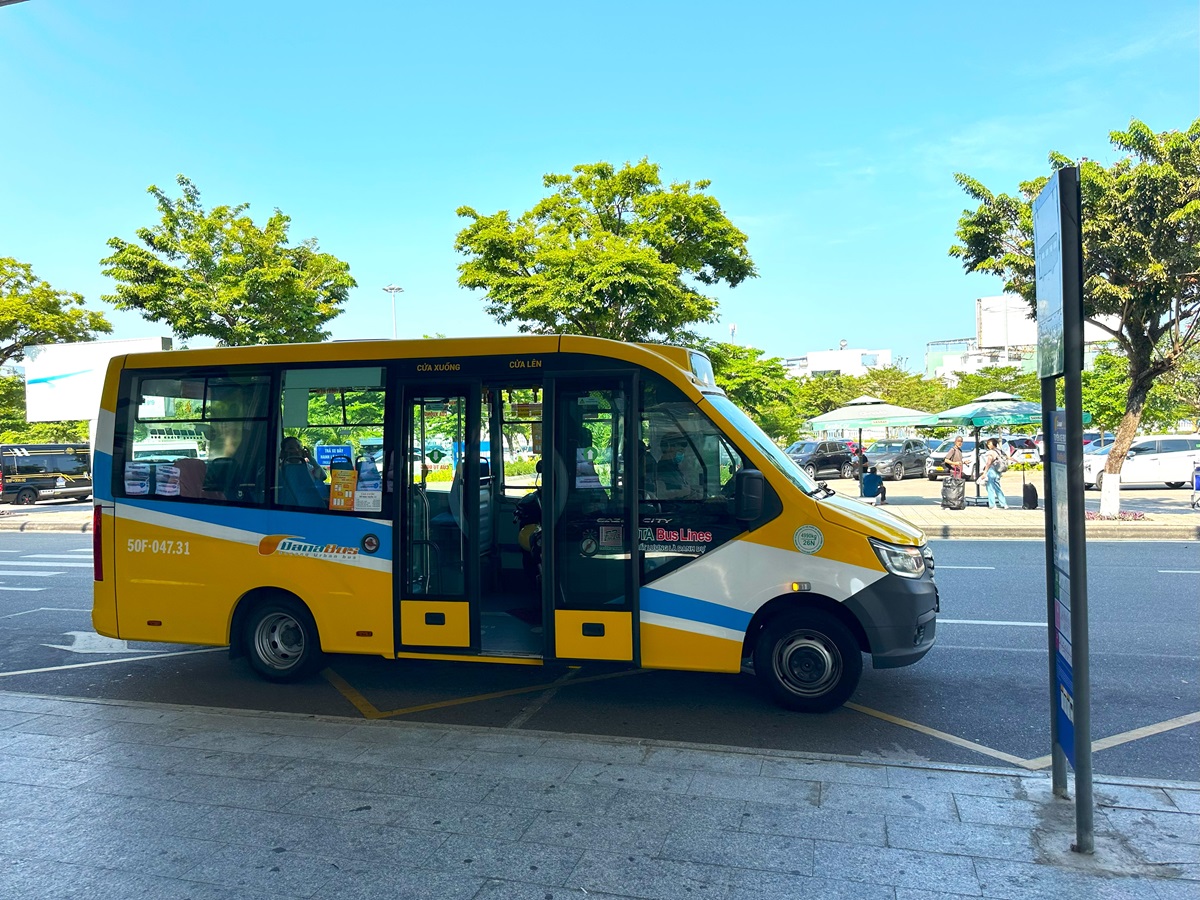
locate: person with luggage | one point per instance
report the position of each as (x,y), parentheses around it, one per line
(954,458)
(994,465)
(872,485)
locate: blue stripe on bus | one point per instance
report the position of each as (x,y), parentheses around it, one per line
(653,600)
(314,527)
(101,476)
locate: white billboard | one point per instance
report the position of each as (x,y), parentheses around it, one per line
(64,381)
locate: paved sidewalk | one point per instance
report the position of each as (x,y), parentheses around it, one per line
(121,799)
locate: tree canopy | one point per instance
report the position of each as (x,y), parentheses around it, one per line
(214,273)
(759,386)
(610,253)
(1141,252)
(34,312)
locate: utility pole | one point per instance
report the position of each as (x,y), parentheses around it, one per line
(394,289)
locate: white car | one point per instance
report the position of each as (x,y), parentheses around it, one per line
(1168,458)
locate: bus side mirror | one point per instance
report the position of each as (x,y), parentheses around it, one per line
(749,488)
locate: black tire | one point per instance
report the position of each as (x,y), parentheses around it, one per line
(1176,485)
(847,470)
(1099,481)
(808,661)
(811,470)
(281,640)
(26,497)
(898,472)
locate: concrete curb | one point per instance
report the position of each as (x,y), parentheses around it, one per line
(1114,531)
(34,525)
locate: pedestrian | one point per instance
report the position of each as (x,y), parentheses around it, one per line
(872,486)
(954,458)
(994,493)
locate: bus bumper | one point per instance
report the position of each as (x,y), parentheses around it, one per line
(899,616)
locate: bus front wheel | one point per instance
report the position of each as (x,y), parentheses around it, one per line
(808,661)
(281,640)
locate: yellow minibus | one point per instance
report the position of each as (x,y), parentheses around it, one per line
(518,500)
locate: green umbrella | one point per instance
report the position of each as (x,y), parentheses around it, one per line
(869,412)
(997,408)
(990,410)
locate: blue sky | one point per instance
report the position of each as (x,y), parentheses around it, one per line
(831,136)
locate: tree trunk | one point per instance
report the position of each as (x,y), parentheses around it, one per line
(1140,381)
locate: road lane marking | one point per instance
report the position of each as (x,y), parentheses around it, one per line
(519,720)
(938,568)
(941,735)
(990,622)
(110,662)
(23,590)
(50,565)
(1179,571)
(30,574)
(1126,737)
(369,711)
(49,556)
(26,612)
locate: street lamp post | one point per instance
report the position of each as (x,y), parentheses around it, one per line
(394,289)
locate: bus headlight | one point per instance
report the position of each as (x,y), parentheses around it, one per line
(907,562)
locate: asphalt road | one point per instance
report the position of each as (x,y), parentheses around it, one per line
(985,682)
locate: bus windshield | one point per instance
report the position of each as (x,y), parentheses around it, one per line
(756,436)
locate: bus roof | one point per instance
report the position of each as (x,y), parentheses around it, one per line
(688,362)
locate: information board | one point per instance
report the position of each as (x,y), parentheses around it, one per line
(1047,231)
(1063,675)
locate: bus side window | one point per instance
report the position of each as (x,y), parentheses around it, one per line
(228,413)
(330,455)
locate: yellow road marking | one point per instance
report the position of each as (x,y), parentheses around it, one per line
(1126,736)
(369,711)
(941,735)
(364,706)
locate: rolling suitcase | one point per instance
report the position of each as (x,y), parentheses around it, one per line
(953,493)
(1029,498)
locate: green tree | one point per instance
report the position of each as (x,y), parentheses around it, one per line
(760,386)
(34,312)
(1105,388)
(609,253)
(990,379)
(818,394)
(1141,253)
(216,274)
(898,386)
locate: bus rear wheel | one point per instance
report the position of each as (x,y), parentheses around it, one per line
(281,640)
(808,661)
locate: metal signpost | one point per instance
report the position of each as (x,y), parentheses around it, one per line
(1058,247)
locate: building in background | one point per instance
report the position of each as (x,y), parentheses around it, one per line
(1005,335)
(842,361)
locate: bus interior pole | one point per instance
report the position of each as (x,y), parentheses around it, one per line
(1058,758)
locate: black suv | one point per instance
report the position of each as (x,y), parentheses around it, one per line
(820,457)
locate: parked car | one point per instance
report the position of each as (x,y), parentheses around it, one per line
(935,463)
(32,472)
(897,458)
(1022,449)
(821,457)
(1094,440)
(1169,458)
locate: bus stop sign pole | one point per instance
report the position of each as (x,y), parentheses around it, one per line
(1058,248)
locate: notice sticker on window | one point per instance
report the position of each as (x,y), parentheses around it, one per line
(368,501)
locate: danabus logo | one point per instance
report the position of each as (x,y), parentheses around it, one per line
(292,545)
